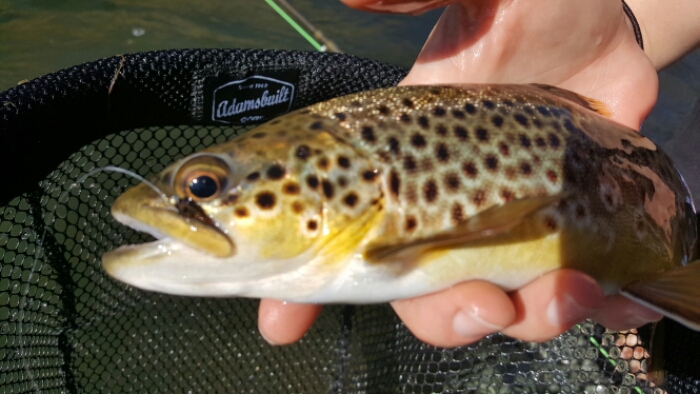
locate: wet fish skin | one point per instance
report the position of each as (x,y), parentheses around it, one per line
(404,191)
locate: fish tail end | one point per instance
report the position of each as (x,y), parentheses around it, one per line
(675,294)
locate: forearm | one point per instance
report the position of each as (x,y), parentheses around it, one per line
(670,28)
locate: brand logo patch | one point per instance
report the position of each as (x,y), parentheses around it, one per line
(251,100)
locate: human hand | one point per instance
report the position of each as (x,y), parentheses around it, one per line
(588,47)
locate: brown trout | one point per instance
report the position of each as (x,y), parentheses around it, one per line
(404,191)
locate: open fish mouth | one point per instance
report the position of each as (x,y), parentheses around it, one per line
(141,208)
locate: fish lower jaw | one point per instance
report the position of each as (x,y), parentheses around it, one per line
(139,225)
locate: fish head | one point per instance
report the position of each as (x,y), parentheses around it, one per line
(284,195)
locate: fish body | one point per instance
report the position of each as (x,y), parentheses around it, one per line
(404,191)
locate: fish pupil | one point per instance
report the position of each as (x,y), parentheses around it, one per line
(203,186)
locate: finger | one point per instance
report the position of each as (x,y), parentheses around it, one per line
(457,316)
(281,322)
(620,313)
(554,302)
(412,7)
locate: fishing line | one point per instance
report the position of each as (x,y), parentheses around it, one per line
(327,45)
(123,171)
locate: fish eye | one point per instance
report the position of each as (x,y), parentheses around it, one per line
(204,186)
(202,178)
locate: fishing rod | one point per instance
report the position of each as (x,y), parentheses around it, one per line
(313,35)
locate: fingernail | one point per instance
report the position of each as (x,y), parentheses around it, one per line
(468,323)
(640,316)
(564,310)
(268,340)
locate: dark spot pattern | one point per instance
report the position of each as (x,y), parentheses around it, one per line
(275,172)
(355,104)
(405,118)
(350,199)
(344,162)
(439,111)
(411,223)
(552,176)
(394,183)
(491,162)
(291,188)
(312,181)
(253,176)
(342,181)
(569,126)
(259,135)
(394,146)
(409,163)
(580,212)
(479,198)
(312,225)
(470,170)
(488,104)
(543,110)
(297,207)
(452,182)
(340,116)
(470,108)
(551,223)
(539,141)
(384,110)
(482,134)
(441,130)
(368,134)
(442,153)
(241,212)
(369,175)
(520,118)
(303,152)
(430,191)
(504,149)
(328,189)
(418,141)
(461,133)
(525,168)
(323,163)
(507,195)
(458,114)
(265,200)
(408,103)
(497,120)
(553,141)
(423,122)
(525,141)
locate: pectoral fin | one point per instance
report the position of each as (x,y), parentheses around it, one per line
(587,102)
(493,221)
(675,294)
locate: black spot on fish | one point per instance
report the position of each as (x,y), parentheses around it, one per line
(469,169)
(441,130)
(529,111)
(303,152)
(569,126)
(479,198)
(318,125)
(461,133)
(442,153)
(525,168)
(525,141)
(355,104)
(552,176)
(482,134)
(312,181)
(241,212)
(265,200)
(259,135)
(370,175)
(394,146)
(409,163)
(384,110)
(504,149)
(418,141)
(328,189)
(507,103)
(520,118)
(275,172)
(507,195)
(297,207)
(470,108)
(550,223)
(439,111)
(488,104)
(543,110)
(230,199)
(350,199)
(290,188)
(537,122)
(394,183)
(340,116)
(553,141)
(405,118)
(253,176)
(430,191)
(423,122)
(458,114)
(539,141)
(342,181)
(580,212)
(497,120)
(411,223)
(312,225)
(343,162)
(368,134)
(491,162)
(407,103)
(452,182)
(323,163)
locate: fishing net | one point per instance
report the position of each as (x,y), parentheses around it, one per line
(65,327)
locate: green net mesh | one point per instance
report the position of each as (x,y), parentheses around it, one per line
(66,327)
